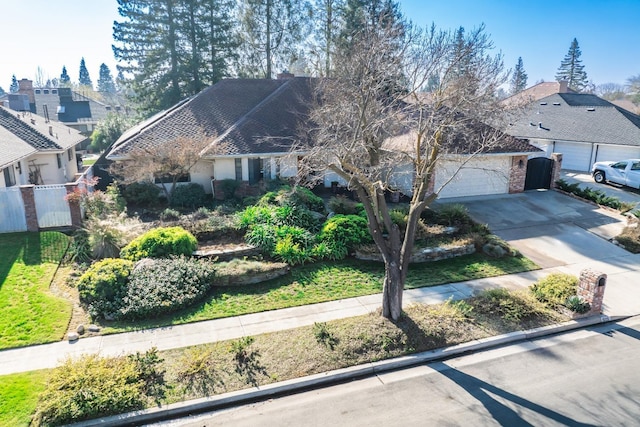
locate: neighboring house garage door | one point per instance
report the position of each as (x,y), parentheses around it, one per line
(575,156)
(480,176)
(616,152)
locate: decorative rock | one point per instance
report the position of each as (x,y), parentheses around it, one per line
(80,329)
(93,328)
(73,336)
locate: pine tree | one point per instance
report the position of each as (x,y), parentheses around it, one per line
(271,32)
(83,77)
(519,78)
(105,80)
(65,80)
(14,85)
(327,22)
(572,70)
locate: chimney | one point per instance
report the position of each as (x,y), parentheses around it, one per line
(564,86)
(285,75)
(25,87)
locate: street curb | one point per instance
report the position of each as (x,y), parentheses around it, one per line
(183,409)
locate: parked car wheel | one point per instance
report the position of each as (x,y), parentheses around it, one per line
(598,176)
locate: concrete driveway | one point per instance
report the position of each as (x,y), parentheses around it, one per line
(550,228)
(624,194)
(561,233)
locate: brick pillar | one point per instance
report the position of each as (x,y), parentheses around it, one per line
(517,174)
(557,165)
(591,289)
(30,212)
(74,205)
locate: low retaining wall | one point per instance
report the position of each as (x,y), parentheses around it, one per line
(251,278)
(425,254)
(228,254)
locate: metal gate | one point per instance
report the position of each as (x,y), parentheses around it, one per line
(539,171)
(12,217)
(51,205)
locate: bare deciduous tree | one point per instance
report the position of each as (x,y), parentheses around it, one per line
(374,129)
(163,161)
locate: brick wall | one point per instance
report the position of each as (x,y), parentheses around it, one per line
(557,165)
(591,289)
(517,174)
(74,206)
(30,212)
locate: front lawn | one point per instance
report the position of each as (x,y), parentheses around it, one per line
(19,396)
(31,314)
(328,281)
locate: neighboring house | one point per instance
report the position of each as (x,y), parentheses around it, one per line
(536,92)
(34,150)
(73,108)
(254,123)
(583,127)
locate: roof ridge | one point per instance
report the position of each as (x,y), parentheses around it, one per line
(245,116)
(24,127)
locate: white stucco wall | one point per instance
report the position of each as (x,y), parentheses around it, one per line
(288,166)
(225,169)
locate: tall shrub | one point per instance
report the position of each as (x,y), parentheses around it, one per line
(160,242)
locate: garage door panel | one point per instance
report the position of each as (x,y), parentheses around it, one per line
(615,153)
(478,177)
(575,157)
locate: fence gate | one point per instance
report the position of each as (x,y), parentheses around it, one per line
(53,210)
(12,217)
(539,171)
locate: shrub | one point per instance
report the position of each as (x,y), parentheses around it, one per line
(190,195)
(142,193)
(106,236)
(197,372)
(262,236)
(103,286)
(399,217)
(577,304)
(201,213)
(297,216)
(160,242)
(496,247)
(291,252)
(305,197)
(160,287)
(93,387)
(79,250)
(348,231)
(511,306)
(169,215)
(228,188)
(454,215)
(555,288)
(324,336)
(256,215)
(344,206)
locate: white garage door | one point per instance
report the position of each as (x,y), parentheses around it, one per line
(616,152)
(480,176)
(575,156)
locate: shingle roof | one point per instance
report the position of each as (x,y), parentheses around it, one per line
(577,117)
(19,128)
(246,116)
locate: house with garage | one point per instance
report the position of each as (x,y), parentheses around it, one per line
(255,124)
(583,127)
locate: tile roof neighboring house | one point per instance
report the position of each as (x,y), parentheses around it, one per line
(23,133)
(536,92)
(627,105)
(577,117)
(245,116)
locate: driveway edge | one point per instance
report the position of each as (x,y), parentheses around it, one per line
(190,407)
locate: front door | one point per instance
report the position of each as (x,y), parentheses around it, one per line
(538,173)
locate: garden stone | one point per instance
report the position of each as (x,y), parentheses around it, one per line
(73,336)
(143,263)
(94,328)
(80,329)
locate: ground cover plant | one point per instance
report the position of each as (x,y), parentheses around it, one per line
(205,370)
(31,314)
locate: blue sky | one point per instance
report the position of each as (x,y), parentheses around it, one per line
(53,33)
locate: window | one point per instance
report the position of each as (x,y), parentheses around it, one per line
(37,91)
(46,91)
(619,165)
(59,159)
(54,91)
(9,177)
(238,169)
(169,180)
(635,166)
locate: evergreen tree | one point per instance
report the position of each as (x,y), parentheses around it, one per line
(572,70)
(105,80)
(271,32)
(83,77)
(519,78)
(327,24)
(171,49)
(65,80)
(358,14)
(14,85)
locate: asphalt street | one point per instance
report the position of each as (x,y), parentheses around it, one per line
(580,378)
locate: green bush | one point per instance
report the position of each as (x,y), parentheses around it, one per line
(79,249)
(103,286)
(345,230)
(160,242)
(190,195)
(555,288)
(93,386)
(305,197)
(142,193)
(256,215)
(577,304)
(297,216)
(159,287)
(344,206)
(228,188)
(291,252)
(454,215)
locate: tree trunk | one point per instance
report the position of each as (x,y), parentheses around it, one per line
(392,288)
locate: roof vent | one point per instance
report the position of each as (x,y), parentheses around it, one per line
(591,109)
(33,121)
(556,103)
(543,103)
